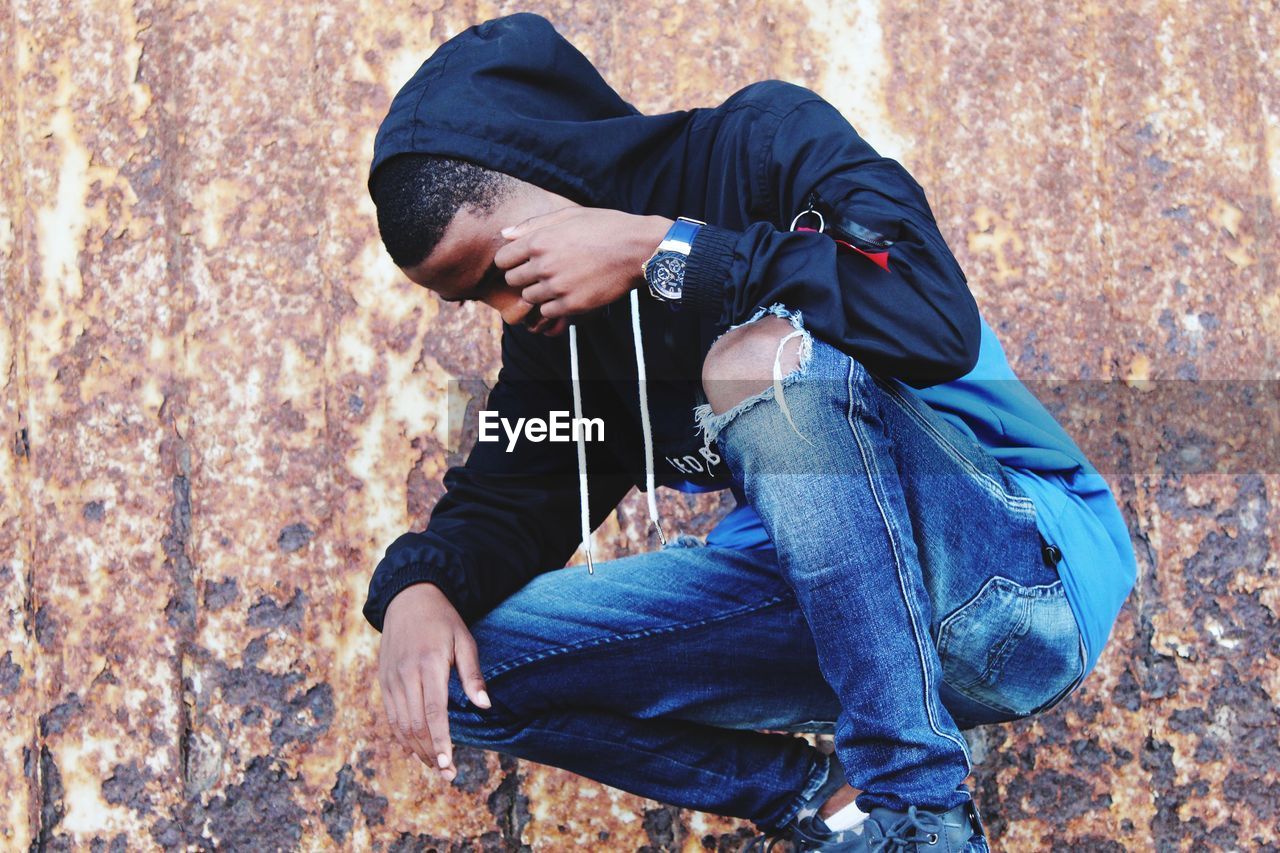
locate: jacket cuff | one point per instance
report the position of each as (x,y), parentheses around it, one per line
(402,577)
(707,268)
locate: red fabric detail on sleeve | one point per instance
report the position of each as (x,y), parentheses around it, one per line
(880,259)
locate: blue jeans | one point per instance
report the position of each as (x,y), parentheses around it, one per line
(906,597)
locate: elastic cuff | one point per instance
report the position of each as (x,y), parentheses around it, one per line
(375,608)
(707,268)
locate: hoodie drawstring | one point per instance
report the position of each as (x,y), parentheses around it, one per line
(584,498)
(650,489)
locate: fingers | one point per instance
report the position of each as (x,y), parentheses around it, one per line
(543,219)
(548,299)
(513,254)
(521,243)
(467,660)
(540,294)
(393,705)
(413,721)
(415,662)
(523,275)
(435,695)
(400,717)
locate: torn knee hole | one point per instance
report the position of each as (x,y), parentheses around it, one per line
(748,359)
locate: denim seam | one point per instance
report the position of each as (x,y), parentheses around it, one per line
(1018,503)
(946,622)
(873,477)
(511,663)
(612,744)
(999,709)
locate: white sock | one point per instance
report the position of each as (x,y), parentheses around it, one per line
(846,818)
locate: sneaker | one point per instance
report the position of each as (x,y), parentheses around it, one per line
(916,830)
(958,830)
(808,833)
(835,780)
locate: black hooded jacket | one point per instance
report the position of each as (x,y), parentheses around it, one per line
(513,95)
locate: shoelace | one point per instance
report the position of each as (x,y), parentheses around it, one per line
(800,835)
(904,833)
(900,836)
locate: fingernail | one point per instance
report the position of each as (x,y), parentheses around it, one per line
(484,699)
(442,760)
(508,231)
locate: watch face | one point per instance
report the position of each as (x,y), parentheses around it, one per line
(665,274)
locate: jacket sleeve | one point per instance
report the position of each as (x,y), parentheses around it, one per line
(508,516)
(916,322)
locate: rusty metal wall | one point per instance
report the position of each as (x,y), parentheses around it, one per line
(220,401)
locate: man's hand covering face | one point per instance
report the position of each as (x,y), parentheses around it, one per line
(577,259)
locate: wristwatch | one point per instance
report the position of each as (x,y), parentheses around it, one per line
(664,270)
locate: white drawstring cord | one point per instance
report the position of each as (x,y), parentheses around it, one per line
(650,490)
(584,495)
(777,378)
(583,491)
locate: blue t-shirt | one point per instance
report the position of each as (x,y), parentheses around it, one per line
(1075,508)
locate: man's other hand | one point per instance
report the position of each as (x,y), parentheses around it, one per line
(423,637)
(575,259)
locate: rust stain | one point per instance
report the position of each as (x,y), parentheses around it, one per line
(221,401)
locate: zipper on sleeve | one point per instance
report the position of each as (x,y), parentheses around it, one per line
(843,228)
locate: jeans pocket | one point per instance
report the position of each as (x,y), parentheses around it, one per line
(1013,648)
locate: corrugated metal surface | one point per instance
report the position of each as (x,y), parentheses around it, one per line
(221,401)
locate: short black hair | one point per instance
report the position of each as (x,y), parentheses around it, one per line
(417,196)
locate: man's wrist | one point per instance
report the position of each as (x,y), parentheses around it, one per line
(707,269)
(420,589)
(649,234)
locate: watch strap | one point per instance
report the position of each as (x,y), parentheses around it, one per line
(679,237)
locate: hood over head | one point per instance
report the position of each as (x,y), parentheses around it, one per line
(513,95)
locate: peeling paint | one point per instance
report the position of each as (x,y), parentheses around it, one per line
(221,401)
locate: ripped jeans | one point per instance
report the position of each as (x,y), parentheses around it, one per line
(907,597)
